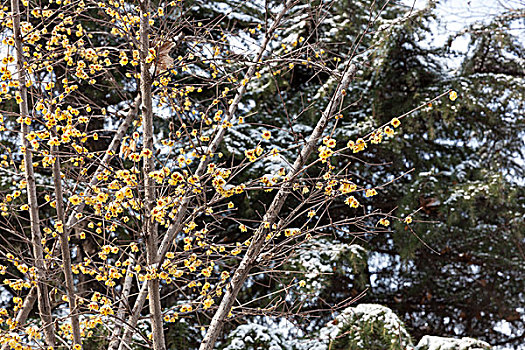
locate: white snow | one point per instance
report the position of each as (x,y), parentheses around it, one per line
(429,342)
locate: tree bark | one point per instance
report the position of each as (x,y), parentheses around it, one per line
(66,254)
(150,225)
(124,297)
(44,305)
(134,318)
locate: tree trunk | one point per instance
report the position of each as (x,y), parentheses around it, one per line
(150,226)
(64,245)
(44,306)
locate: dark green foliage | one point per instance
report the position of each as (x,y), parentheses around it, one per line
(182,335)
(467,155)
(98,339)
(370,335)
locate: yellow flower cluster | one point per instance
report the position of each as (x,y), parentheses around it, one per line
(384,222)
(325,153)
(356,146)
(370,192)
(347,187)
(252,154)
(352,202)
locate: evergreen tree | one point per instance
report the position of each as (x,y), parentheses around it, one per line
(458,271)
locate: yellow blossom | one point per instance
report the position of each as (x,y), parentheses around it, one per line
(395,122)
(384,222)
(59,226)
(208,303)
(352,202)
(329,142)
(370,192)
(347,187)
(75,200)
(389,131)
(266,135)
